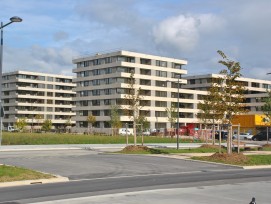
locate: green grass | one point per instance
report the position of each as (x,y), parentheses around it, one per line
(55,138)
(11,173)
(252,160)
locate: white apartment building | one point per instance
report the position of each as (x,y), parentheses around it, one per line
(28,94)
(102,81)
(256,89)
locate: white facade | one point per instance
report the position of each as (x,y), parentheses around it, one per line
(102,81)
(28,94)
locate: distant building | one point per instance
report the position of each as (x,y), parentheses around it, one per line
(255,94)
(33,95)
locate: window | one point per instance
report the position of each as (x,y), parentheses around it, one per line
(161,83)
(96,112)
(145,82)
(161,63)
(161,93)
(50,94)
(256,85)
(96,92)
(50,79)
(176,65)
(96,82)
(145,71)
(160,103)
(145,103)
(108,91)
(96,102)
(42,78)
(160,114)
(50,86)
(145,61)
(107,102)
(161,73)
(96,72)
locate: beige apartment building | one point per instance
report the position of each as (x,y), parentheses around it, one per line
(28,94)
(102,81)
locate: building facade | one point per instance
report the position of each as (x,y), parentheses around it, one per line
(102,82)
(37,97)
(255,94)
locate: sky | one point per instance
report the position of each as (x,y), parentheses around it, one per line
(53,33)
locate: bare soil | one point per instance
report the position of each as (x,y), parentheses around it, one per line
(267,145)
(134,149)
(230,158)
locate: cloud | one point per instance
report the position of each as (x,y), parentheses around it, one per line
(61,35)
(183,33)
(39,59)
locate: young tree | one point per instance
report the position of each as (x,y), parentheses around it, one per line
(232,93)
(21,124)
(267,112)
(115,118)
(211,110)
(267,106)
(68,125)
(133,98)
(91,119)
(172,114)
(47,125)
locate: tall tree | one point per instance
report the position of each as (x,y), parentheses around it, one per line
(91,119)
(115,118)
(133,99)
(232,92)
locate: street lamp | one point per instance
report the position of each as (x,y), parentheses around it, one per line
(178,111)
(14,19)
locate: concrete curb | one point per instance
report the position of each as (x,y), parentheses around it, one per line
(32,182)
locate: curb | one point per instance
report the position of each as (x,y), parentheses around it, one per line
(32,182)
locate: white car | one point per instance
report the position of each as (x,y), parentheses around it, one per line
(146,133)
(123,131)
(244,136)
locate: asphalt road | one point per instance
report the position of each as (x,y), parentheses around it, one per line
(93,173)
(83,164)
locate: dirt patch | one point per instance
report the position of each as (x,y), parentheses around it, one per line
(267,146)
(137,148)
(229,158)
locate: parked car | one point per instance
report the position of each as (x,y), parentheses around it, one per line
(244,136)
(146,133)
(261,136)
(123,131)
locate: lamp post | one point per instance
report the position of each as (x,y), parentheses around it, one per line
(178,111)
(12,20)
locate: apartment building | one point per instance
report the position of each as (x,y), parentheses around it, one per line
(102,81)
(255,94)
(28,94)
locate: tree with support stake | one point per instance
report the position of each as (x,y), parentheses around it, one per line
(232,94)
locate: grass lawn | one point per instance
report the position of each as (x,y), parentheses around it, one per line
(56,138)
(11,173)
(249,160)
